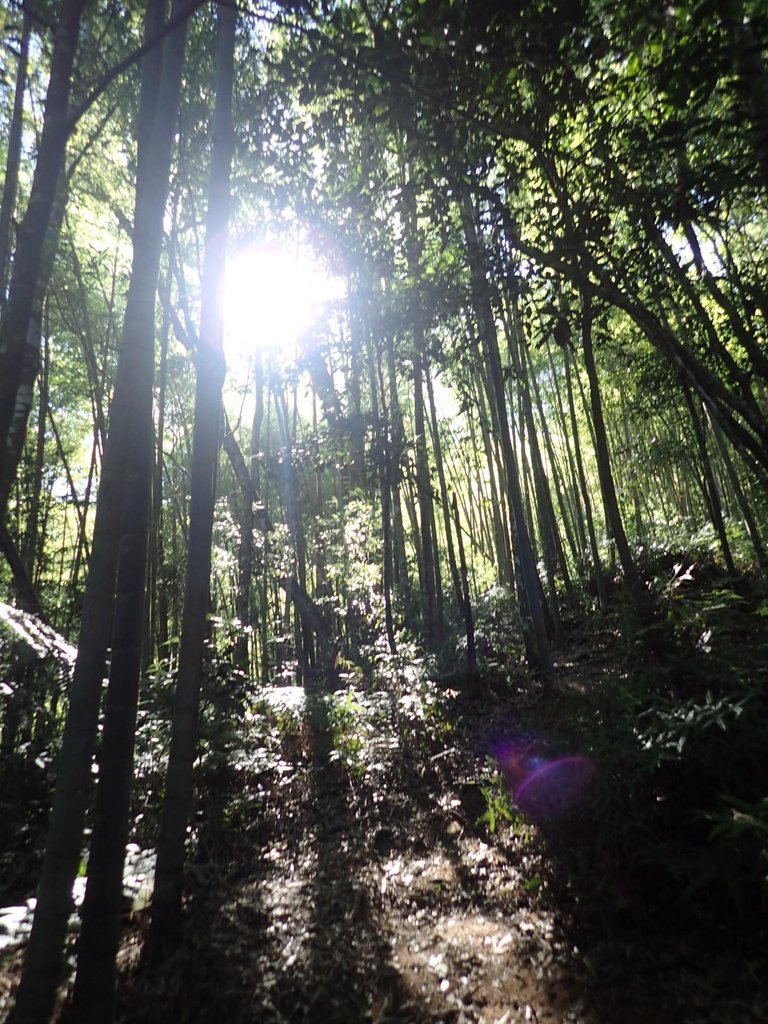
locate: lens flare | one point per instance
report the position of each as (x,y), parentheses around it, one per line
(545,789)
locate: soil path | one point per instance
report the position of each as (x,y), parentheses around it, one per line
(354,877)
(357,859)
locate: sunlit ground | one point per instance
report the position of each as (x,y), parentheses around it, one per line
(274,295)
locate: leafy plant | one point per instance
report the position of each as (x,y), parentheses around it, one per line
(499,807)
(350,729)
(497,631)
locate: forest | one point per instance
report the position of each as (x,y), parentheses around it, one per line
(384,511)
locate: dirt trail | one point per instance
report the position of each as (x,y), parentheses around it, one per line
(349,883)
(353,864)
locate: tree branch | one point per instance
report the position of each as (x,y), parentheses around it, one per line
(127,62)
(25,592)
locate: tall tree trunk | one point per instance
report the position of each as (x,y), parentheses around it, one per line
(631,462)
(244,548)
(477,504)
(95,981)
(447,524)
(574,485)
(158,591)
(466,604)
(557,474)
(355,419)
(394,463)
(710,489)
(426,516)
(257,479)
(18,332)
(602,598)
(552,548)
(289,479)
(501,543)
(608,490)
(130,407)
(744,506)
(88,343)
(433,624)
(13,158)
(30,549)
(177,805)
(385,497)
(532,613)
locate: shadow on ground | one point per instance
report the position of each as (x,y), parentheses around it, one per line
(340,891)
(282,928)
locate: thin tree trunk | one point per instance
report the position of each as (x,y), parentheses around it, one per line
(13,158)
(554,555)
(258,482)
(744,507)
(79,511)
(177,805)
(709,484)
(30,547)
(394,454)
(433,625)
(631,464)
(597,567)
(131,405)
(574,484)
(245,546)
(504,566)
(18,332)
(290,489)
(532,612)
(158,630)
(355,420)
(607,488)
(553,460)
(486,515)
(385,495)
(466,604)
(438,454)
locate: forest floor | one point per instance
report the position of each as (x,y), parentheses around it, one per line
(358,858)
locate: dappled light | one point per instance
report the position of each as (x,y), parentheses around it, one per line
(407,665)
(38,636)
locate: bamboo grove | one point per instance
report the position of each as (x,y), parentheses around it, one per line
(549,361)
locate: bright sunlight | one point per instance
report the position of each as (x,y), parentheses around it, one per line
(272,296)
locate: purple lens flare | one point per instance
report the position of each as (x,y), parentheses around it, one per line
(555,788)
(545,790)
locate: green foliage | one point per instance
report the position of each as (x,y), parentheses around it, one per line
(738,841)
(679,746)
(499,807)
(665,729)
(32,687)
(351,730)
(497,628)
(26,787)
(612,147)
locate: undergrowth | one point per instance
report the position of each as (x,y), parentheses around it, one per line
(678,732)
